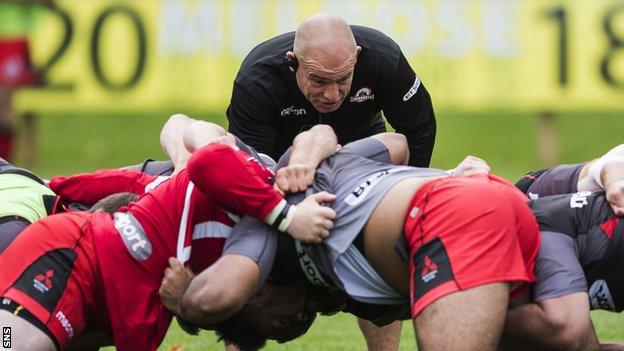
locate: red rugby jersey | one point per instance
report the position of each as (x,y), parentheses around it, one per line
(187,216)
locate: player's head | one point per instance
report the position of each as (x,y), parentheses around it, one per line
(279,312)
(324,57)
(113,202)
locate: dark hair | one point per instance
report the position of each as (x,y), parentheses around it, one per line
(326,301)
(113,202)
(239,331)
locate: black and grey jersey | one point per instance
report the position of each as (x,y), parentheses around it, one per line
(582,249)
(267,109)
(562,179)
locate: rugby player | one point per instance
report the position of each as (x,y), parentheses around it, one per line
(76,271)
(577,269)
(469,244)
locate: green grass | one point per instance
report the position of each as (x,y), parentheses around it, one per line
(75,142)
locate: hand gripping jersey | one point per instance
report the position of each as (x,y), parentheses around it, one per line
(186,216)
(267,109)
(359,181)
(581,249)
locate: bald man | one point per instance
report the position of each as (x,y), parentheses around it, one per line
(328,72)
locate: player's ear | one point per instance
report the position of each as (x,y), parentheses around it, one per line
(291,60)
(358,50)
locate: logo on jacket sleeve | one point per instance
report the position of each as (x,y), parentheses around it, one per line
(412,91)
(362,95)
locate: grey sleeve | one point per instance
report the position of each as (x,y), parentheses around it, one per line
(151,167)
(557,268)
(562,179)
(369,148)
(266,160)
(256,240)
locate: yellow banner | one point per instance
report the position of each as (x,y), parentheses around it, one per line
(184,55)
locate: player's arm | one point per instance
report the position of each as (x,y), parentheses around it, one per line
(469,166)
(309,149)
(172,140)
(221,290)
(606,172)
(237,182)
(89,188)
(561,323)
(224,287)
(251,120)
(410,111)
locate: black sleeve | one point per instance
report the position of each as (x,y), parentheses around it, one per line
(407,107)
(251,121)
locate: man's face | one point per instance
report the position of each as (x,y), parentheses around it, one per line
(280,311)
(325,80)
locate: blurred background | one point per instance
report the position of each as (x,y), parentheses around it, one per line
(523,84)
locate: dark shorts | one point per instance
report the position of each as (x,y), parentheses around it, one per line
(463,232)
(562,179)
(50,272)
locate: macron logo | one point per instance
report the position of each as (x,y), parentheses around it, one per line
(412,91)
(293,111)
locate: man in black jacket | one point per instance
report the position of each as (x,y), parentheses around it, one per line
(330,73)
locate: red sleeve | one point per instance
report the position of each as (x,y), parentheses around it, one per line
(89,188)
(233,179)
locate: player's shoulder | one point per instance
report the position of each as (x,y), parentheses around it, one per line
(264,72)
(376,45)
(268,54)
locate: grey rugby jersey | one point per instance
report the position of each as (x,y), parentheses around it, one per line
(359,178)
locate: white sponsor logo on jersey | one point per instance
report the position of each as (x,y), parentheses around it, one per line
(533,196)
(600,296)
(362,95)
(358,194)
(60,316)
(133,236)
(412,91)
(579,199)
(293,111)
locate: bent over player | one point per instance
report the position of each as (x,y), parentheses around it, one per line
(75,272)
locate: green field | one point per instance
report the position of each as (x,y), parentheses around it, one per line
(71,143)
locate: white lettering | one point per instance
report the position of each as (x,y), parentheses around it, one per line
(500,28)
(579,199)
(407,22)
(65,323)
(190,28)
(458,40)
